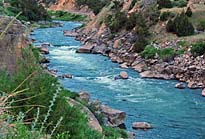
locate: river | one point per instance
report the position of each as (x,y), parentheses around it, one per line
(174,113)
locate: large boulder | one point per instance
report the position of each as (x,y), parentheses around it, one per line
(115,118)
(43,49)
(124,75)
(141,125)
(84,96)
(11,43)
(87,48)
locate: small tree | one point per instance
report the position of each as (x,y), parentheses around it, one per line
(180,25)
(164,4)
(189,12)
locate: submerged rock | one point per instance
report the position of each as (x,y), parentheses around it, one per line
(124,75)
(180,85)
(141,125)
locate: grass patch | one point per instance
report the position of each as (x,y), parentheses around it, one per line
(66,16)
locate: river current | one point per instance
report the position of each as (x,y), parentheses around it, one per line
(174,113)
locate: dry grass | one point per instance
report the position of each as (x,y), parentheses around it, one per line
(162,36)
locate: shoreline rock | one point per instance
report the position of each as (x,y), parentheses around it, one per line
(141,125)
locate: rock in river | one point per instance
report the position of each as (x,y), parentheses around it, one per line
(141,125)
(87,48)
(123,75)
(84,96)
(115,118)
(180,85)
(203,93)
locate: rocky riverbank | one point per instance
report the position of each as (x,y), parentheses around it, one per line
(185,68)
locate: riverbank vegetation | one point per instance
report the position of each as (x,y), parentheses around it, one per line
(34,105)
(66,16)
(30,10)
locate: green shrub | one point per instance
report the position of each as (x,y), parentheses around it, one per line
(114,133)
(164,4)
(149,52)
(164,16)
(179,3)
(116,22)
(170,26)
(201,26)
(95,5)
(189,12)
(31,10)
(180,25)
(167,54)
(198,49)
(132,4)
(131,22)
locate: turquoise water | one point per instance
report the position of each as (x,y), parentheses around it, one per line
(174,113)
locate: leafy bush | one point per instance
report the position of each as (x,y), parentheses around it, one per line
(198,49)
(179,3)
(201,26)
(132,4)
(116,22)
(149,52)
(167,54)
(95,5)
(164,16)
(189,12)
(131,22)
(31,10)
(180,25)
(164,4)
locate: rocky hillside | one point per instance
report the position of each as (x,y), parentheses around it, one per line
(113,35)
(11,41)
(72,7)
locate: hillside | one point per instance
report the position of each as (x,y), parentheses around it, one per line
(118,36)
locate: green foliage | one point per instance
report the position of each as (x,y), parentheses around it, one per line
(164,16)
(201,26)
(179,3)
(132,4)
(167,54)
(40,90)
(180,25)
(189,12)
(114,133)
(149,52)
(131,22)
(65,16)
(142,32)
(164,4)
(95,5)
(30,9)
(116,22)
(198,49)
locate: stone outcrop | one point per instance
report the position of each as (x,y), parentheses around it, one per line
(141,125)
(92,121)
(11,43)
